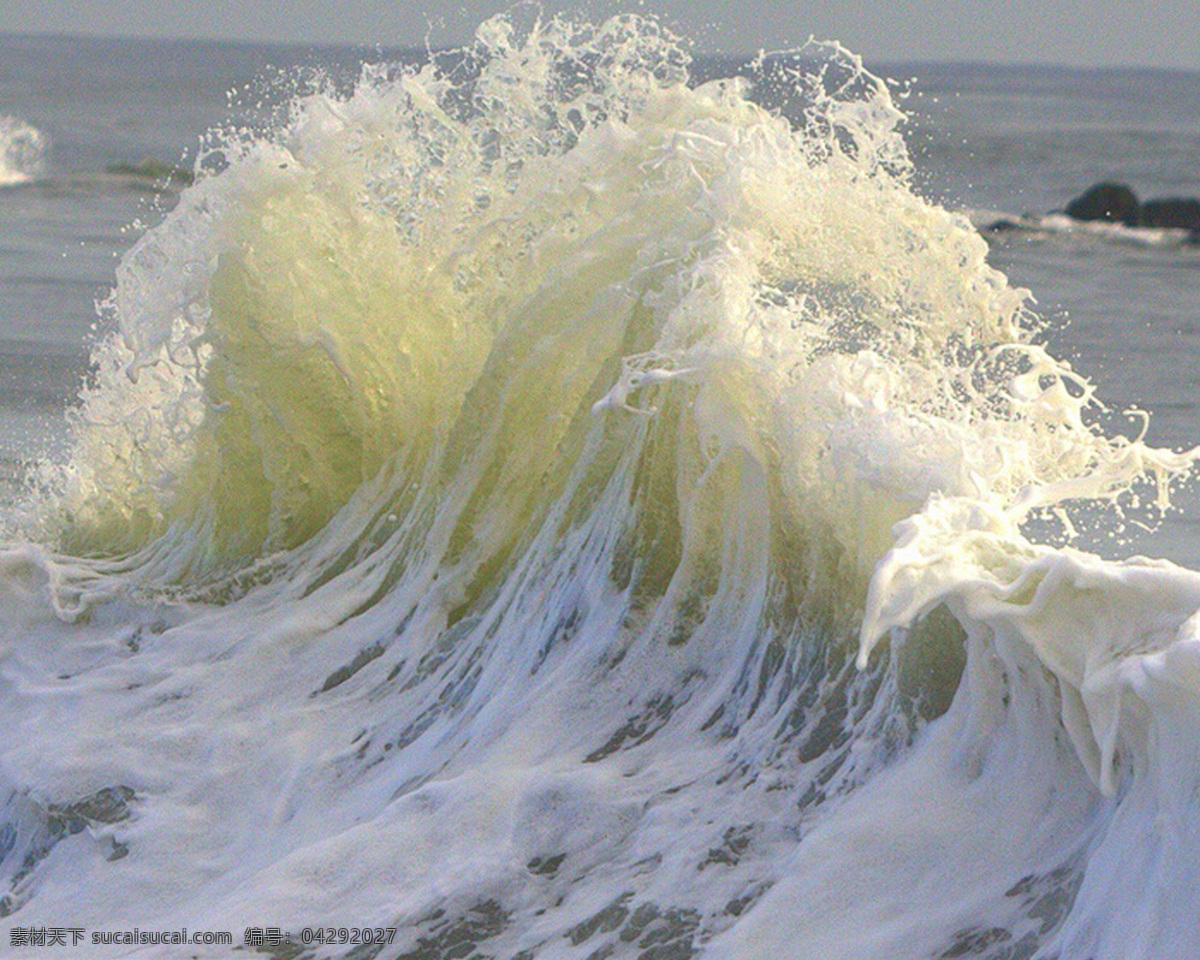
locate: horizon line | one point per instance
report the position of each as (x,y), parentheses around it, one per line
(873,64)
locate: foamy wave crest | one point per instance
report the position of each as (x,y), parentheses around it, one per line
(22,152)
(560,216)
(490,482)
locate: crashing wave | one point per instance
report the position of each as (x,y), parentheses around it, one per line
(550,508)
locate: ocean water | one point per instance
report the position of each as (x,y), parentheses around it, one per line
(568,498)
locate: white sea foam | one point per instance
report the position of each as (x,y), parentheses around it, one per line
(552,510)
(22,151)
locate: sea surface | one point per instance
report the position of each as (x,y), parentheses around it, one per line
(570,497)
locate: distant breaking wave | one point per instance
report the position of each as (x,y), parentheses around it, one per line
(22,151)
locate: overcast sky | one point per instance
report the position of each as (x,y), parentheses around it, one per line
(1160,33)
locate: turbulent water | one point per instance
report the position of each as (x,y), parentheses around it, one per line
(540,505)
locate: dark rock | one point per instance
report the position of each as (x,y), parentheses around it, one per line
(1107,201)
(1012,225)
(1003,225)
(1173,213)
